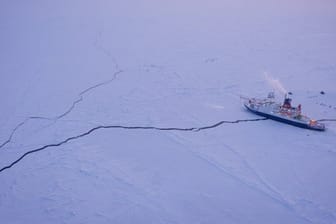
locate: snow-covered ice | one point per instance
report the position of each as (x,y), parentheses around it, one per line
(120,100)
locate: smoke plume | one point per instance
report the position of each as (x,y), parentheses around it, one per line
(275,83)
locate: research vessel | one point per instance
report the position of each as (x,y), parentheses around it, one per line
(282,112)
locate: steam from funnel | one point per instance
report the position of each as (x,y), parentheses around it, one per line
(275,83)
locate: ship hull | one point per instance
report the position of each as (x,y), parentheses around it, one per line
(284,120)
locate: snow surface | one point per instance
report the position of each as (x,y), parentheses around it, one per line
(69,66)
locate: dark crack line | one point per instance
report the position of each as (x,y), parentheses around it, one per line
(20,125)
(68,111)
(105,50)
(102,83)
(192,129)
(12,134)
(80,99)
(326,120)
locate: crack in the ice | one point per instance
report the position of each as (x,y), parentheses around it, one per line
(12,134)
(105,51)
(68,111)
(191,129)
(102,83)
(326,120)
(71,108)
